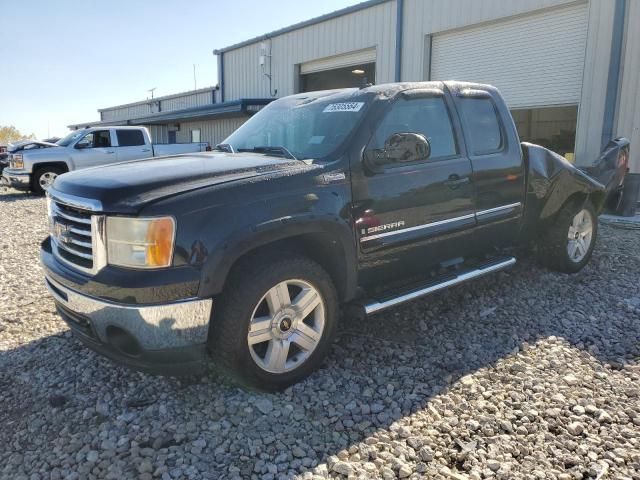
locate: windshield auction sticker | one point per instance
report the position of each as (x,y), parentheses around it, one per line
(343,107)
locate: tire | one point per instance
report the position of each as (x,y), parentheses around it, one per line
(568,244)
(43,178)
(290,341)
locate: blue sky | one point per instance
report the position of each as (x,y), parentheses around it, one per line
(62,60)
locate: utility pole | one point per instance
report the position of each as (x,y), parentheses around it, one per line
(151,90)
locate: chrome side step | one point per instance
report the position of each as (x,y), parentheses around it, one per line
(376,306)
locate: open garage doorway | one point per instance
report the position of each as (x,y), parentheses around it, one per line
(351,69)
(551,127)
(353,76)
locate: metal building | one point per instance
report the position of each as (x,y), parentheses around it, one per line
(568,69)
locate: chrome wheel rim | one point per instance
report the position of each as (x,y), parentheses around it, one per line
(580,236)
(47,179)
(286,326)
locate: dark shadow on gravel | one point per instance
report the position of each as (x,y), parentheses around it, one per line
(380,370)
(11,195)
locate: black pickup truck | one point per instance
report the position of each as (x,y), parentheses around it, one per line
(362,197)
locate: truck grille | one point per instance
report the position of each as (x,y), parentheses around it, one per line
(72,232)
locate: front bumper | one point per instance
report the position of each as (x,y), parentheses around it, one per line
(168,338)
(17,179)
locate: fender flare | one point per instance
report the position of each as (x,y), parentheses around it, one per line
(218,264)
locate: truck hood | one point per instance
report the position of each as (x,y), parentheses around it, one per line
(19,147)
(126,187)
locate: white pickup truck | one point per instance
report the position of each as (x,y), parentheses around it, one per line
(36,170)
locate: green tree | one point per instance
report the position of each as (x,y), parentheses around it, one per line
(11,134)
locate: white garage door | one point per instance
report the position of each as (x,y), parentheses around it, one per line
(534,60)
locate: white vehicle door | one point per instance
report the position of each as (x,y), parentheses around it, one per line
(131,145)
(95,148)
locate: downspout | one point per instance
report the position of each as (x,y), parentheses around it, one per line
(399,27)
(220,72)
(613,81)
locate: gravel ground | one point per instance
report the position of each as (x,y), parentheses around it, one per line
(525,374)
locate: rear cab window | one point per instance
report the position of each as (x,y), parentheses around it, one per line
(482,124)
(130,138)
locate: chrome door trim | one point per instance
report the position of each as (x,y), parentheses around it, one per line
(417,227)
(498,209)
(424,226)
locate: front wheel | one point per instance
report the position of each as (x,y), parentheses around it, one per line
(275,321)
(568,244)
(43,178)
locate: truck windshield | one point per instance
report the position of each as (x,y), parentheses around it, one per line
(69,139)
(308,127)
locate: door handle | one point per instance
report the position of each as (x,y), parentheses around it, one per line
(109,152)
(455,181)
(146,149)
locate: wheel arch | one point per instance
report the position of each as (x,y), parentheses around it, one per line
(329,244)
(59,164)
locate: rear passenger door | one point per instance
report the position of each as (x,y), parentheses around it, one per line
(131,145)
(412,216)
(496,159)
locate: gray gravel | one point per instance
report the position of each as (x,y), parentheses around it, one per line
(526,374)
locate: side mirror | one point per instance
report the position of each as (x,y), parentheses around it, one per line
(400,148)
(82,144)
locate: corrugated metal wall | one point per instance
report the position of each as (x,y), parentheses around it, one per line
(177,102)
(372,27)
(628,122)
(131,111)
(159,133)
(212,131)
(187,101)
(594,81)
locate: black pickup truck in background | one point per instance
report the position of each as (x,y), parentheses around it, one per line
(363,197)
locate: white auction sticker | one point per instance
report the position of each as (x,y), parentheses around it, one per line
(343,107)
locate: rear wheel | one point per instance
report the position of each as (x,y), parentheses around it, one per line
(43,178)
(275,322)
(568,244)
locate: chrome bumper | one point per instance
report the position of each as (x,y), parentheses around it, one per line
(17,179)
(155,327)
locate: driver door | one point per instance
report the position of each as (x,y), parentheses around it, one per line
(95,148)
(411,216)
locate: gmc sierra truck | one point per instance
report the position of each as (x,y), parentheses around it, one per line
(365,198)
(37,168)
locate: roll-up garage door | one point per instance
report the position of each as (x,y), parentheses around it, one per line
(339,61)
(535,60)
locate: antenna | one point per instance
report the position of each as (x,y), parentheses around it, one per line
(194,77)
(151,90)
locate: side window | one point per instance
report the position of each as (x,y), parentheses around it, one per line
(130,138)
(96,139)
(427,116)
(195,135)
(482,125)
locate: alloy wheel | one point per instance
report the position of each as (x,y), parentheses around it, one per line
(47,179)
(580,236)
(286,326)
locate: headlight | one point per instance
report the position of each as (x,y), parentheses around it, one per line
(16,161)
(140,242)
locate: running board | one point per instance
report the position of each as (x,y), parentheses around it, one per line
(463,276)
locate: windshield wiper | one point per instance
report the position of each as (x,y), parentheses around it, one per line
(284,151)
(225,147)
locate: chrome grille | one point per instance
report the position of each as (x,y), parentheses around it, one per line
(72,234)
(77,231)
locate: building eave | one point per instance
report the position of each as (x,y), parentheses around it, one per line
(244,106)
